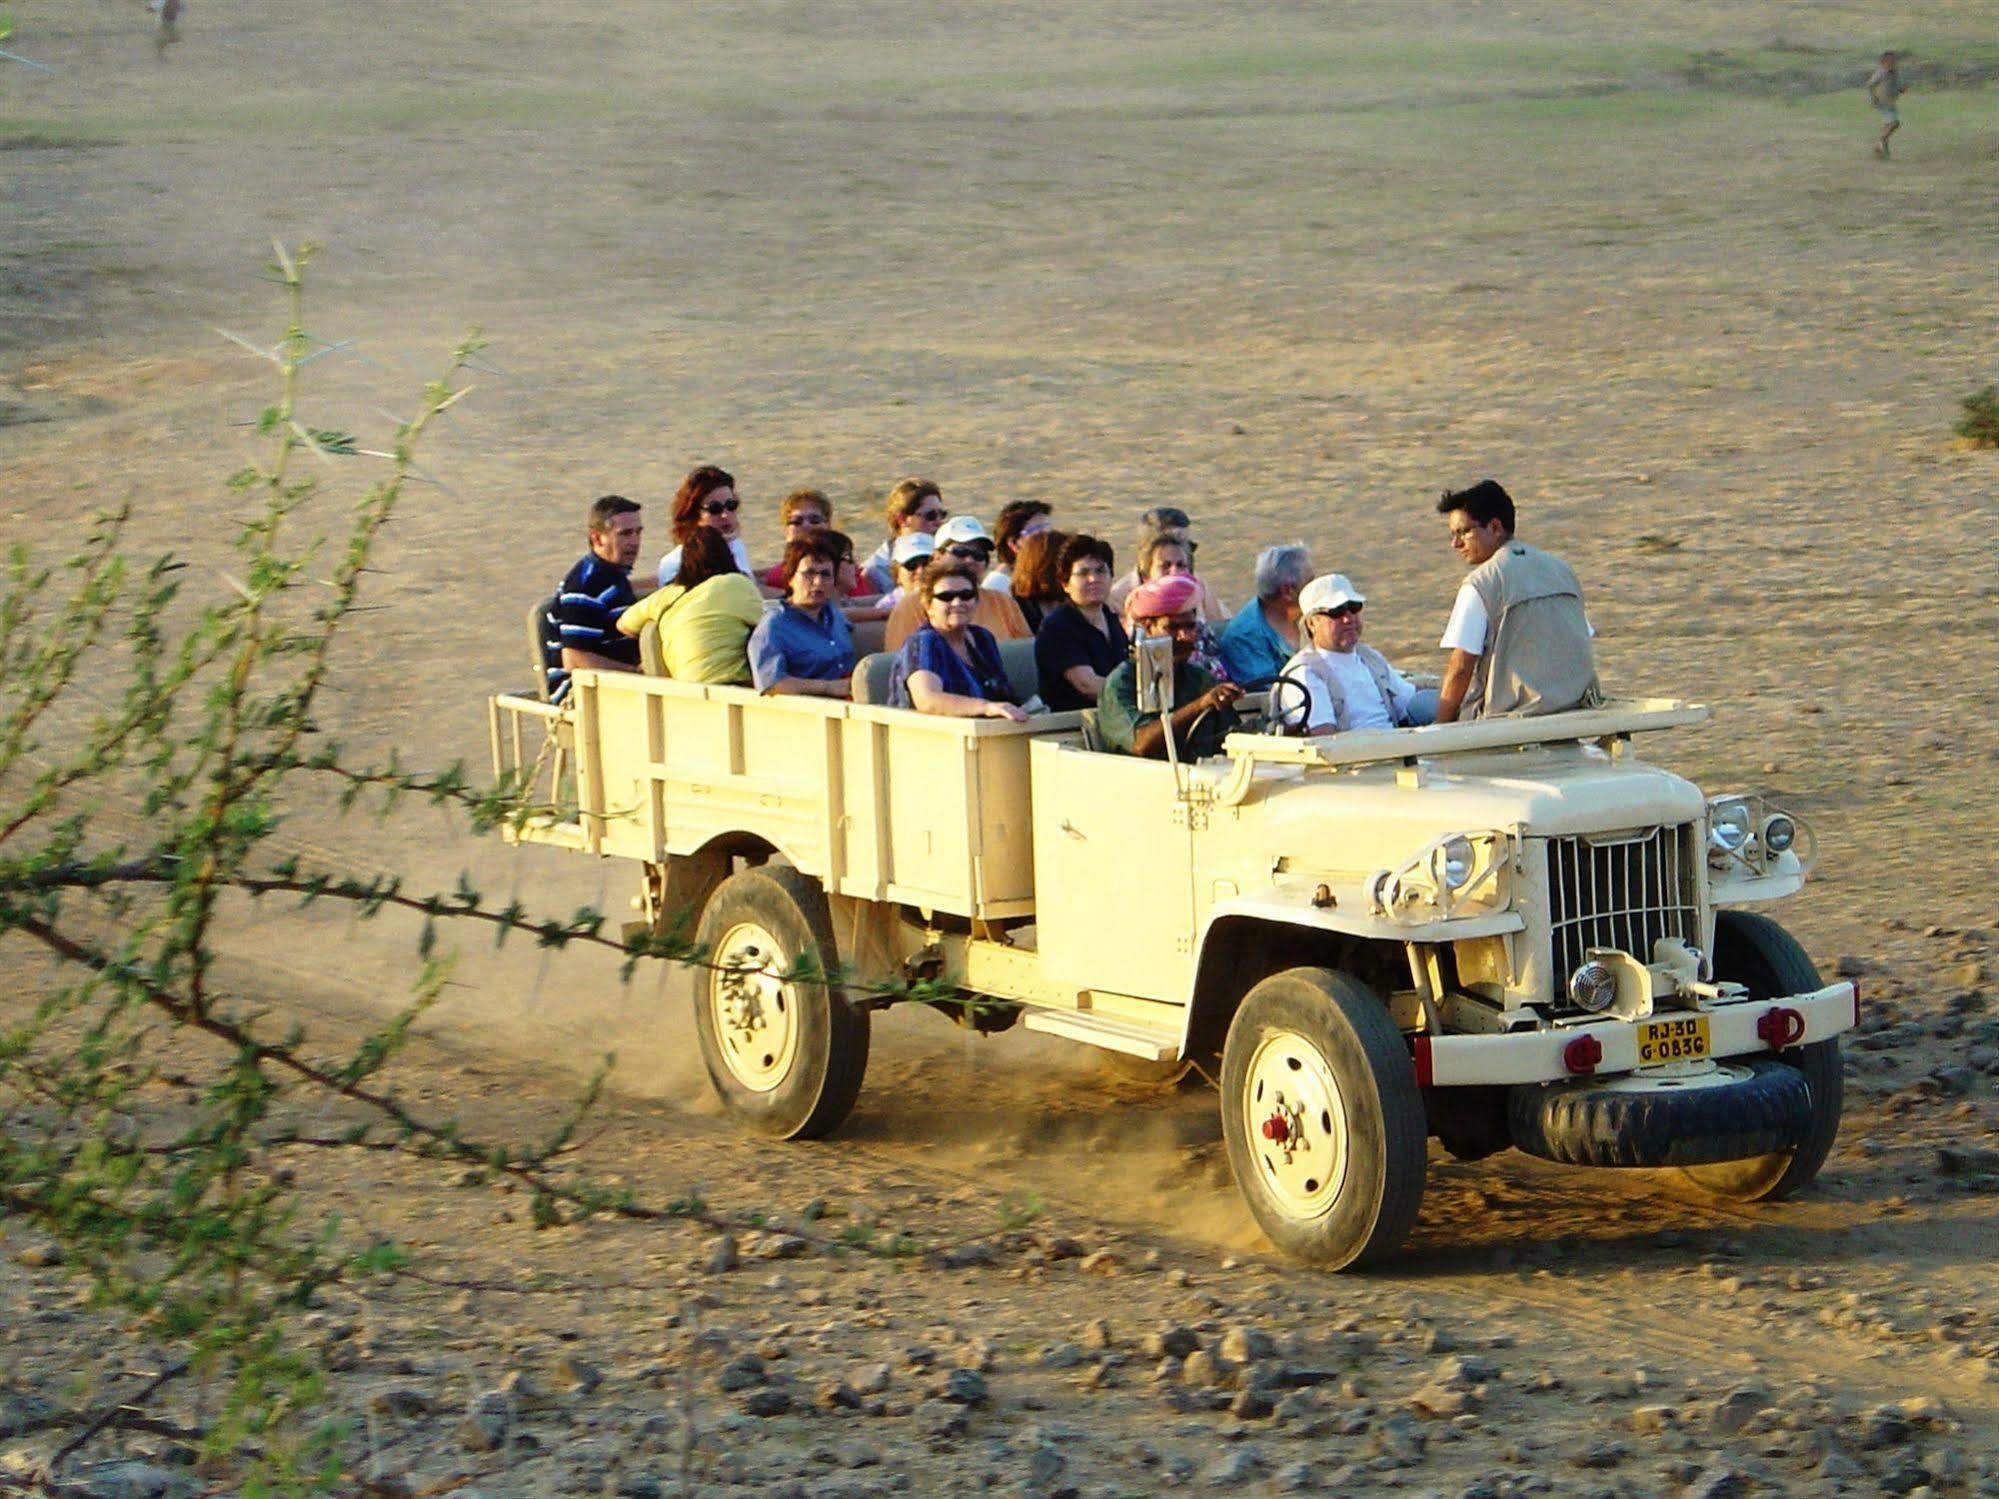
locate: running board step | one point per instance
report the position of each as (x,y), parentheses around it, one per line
(1132,1037)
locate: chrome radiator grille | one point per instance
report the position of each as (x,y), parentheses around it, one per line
(1622,890)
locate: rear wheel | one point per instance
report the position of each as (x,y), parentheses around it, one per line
(1757,953)
(1323,1119)
(786,1054)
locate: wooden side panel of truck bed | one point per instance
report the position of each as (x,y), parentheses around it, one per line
(878,803)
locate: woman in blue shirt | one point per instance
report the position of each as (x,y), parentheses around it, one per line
(951,666)
(804,646)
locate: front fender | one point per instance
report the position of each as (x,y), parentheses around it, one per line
(1297,908)
(1243,938)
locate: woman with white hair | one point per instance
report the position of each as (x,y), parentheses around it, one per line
(1264,633)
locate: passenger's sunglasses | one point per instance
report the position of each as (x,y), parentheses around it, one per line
(940,513)
(970,552)
(717,507)
(1342,612)
(954,596)
(805,520)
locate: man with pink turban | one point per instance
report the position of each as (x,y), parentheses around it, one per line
(1202,716)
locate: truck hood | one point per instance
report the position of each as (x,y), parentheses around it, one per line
(1546,792)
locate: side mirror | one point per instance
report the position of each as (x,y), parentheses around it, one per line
(1152,660)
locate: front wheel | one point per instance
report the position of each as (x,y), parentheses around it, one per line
(783,1048)
(1323,1119)
(1757,953)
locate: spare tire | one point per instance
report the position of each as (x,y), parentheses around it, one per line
(1741,1108)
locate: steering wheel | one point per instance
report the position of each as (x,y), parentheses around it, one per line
(1277,715)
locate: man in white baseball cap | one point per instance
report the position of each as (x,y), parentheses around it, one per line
(962,539)
(1348,685)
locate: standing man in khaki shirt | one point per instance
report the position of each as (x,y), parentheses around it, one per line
(1518,637)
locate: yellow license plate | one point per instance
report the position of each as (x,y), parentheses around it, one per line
(1680,1039)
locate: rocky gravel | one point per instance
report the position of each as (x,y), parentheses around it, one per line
(1638,1343)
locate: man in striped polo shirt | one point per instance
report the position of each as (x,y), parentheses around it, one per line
(582,629)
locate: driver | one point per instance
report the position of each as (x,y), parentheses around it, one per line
(1347,685)
(1203,715)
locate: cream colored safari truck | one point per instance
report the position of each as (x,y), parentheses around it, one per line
(1505,933)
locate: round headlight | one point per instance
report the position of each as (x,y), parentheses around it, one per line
(1728,826)
(1779,833)
(1593,986)
(1457,863)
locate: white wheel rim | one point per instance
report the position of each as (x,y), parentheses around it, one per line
(755,1014)
(1294,1121)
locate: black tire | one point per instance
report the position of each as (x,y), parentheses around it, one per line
(1759,1107)
(1332,1034)
(1757,953)
(804,1085)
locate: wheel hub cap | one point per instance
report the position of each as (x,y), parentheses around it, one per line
(755,1012)
(1295,1124)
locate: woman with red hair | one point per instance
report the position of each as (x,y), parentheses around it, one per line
(706,498)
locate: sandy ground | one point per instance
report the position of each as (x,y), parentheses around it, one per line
(1293,267)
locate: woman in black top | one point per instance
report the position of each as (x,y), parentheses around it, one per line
(1081,640)
(1036,588)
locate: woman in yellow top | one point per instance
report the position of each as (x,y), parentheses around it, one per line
(705,614)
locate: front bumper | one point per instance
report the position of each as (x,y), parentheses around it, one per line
(1540,1056)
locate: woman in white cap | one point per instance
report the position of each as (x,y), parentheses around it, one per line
(1347,685)
(910,554)
(962,539)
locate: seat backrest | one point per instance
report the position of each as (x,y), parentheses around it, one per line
(870,635)
(871,678)
(1092,738)
(652,659)
(1017,656)
(538,613)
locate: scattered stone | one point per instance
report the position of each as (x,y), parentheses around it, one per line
(1435,1400)
(837,1395)
(767,1401)
(1298,1478)
(964,1256)
(1245,1345)
(870,1380)
(139,1480)
(1096,1333)
(1600,1455)
(1044,1466)
(42,1256)
(1100,1262)
(1465,1370)
(577,1375)
(1171,1342)
(721,1255)
(1737,1408)
(1244,1465)
(1966,1160)
(1651,1419)
(1208,1370)
(1848,966)
(1717,1482)
(399,1401)
(1062,1356)
(744,1372)
(782,1247)
(1400,1441)
(1253,1404)
(483,1432)
(941,1418)
(964,1387)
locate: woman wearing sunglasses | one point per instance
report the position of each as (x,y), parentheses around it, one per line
(914,505)
(706,498)
(952,666)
